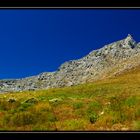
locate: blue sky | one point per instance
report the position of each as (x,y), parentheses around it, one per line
(34,41)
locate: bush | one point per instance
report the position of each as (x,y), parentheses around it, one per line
(20,119)
(42,98)
(51,117)
(80,112)
(115,103)
(11,100)
(24,106)
(94,106)
(137,113)
(131,101)
(72,125)
(31,101)
(46,126)
(5,105)
(93,117)
(78,105)
(136,125)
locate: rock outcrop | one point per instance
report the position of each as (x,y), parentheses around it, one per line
(110,60)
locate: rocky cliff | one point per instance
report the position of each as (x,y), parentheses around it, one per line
(110,60)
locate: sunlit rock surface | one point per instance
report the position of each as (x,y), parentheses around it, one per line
(110,60)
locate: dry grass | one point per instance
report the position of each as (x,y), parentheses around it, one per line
(109,104)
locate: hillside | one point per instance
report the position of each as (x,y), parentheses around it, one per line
(110,60)
(107,104)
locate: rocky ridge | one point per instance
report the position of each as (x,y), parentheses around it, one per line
(110,60)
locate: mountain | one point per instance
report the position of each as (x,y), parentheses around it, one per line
(109,61)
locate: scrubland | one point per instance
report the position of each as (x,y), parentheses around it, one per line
(111,104)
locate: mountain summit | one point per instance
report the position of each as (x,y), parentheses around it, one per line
(108,61)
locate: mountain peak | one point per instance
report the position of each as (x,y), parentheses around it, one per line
(129,36)
(129,41)
(105,62)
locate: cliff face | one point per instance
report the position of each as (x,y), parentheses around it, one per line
(110,60)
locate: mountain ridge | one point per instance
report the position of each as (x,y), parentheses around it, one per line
(108,61)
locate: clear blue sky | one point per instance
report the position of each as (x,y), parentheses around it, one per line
(34,41)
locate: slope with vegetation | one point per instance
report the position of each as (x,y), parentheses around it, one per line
(109,104)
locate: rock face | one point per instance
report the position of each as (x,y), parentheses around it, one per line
(110,60)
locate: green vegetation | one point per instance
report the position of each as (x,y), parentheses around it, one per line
(110,104)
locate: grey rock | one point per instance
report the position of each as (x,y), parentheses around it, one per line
(31,100)
(110,60)
(11,100)
(55,100)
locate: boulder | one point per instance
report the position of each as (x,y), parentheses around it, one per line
(11,100)
(55,100)
(31,100)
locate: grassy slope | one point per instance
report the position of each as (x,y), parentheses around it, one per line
(111,104)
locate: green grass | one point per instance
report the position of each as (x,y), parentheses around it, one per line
(110,104)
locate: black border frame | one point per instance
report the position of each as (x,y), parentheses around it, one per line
(69,3)
(70,135)
(66,4)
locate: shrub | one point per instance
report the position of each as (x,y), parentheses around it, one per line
(80,112)
(72,124)
(93,117)
(131,101)
(137,113)
(115,103)
(20,119)
(94,106)
(46,126)
(136,125)
(51,117)
(78,105)
(31,101)
(11,100)
(42,98)
(5,105)
(24,106)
